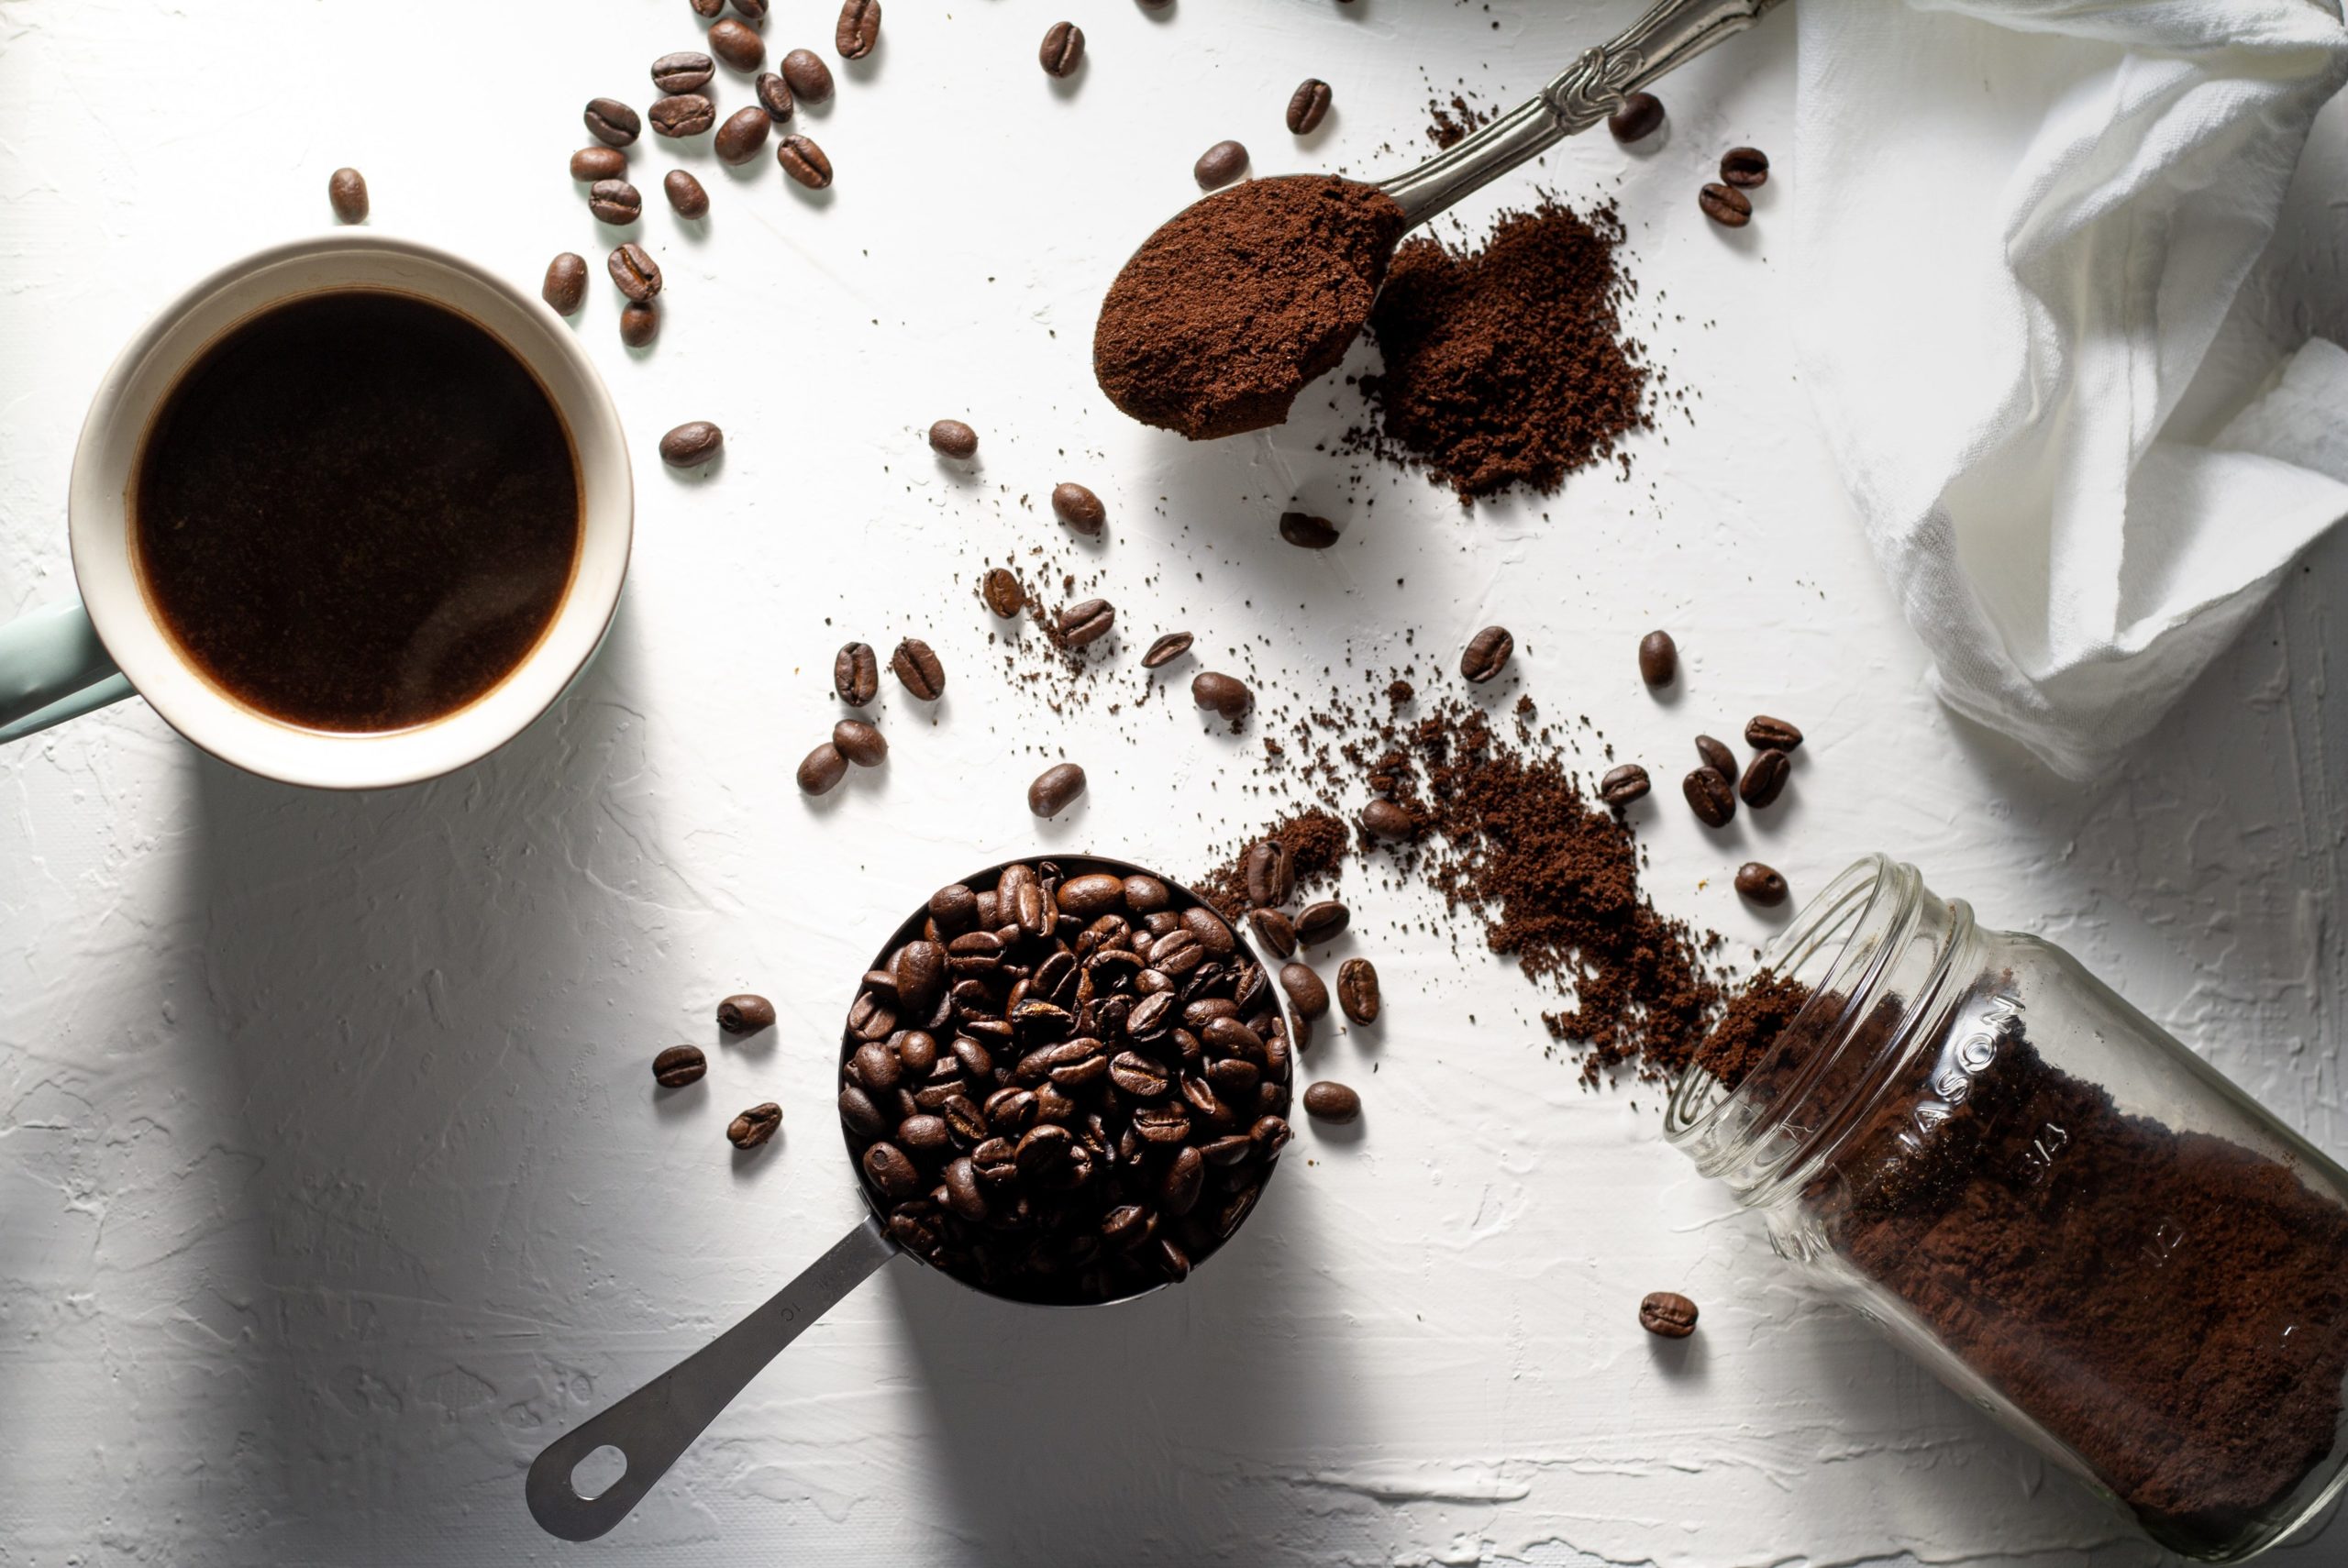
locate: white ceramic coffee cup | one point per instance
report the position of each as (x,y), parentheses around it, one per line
(66,659)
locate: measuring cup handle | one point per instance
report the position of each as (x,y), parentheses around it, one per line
(52,667)
(658,1422)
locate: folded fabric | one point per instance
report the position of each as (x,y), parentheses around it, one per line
(2022,225)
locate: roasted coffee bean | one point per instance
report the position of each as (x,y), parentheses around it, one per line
(639,323)
(1212,934)
(1725,206)
(1308,106)
(1305,991)
(683,72)
(1765,779)
(685,194)
(1760,884)
(1321,922)
(1357,990)
(915,1048)
(1220,165)
(1487,654)
(1384,819)
(876,1068)
(891,1171)
(1658,658)
(1147,895)
(565,286)
(745,1013)
(1763,733)
(807,74)
(1143,1077)
(1096,892)
(1717,756)
(690,444)
(682,114)
(633,269)
(919,966)
(774,96)
(1331,1101)
(737,45)
(615,202)
(1078,508)
(743,134)
(1002,594)
(754,1126)
(1056,789)
(347,194)
(1223,695)
(1172,1260)
(1085,622)
(822,770)
(860,743)
(860,1115)
(1165,650)
(1710,796)
(598,162)
(1640,117)
(1307,532)
(952,438)
(1745,167)
(858,29)
(1179,1185)
(1063,49)
(750,10)
(1624,785)
(707,7)
(1274,931)
(1269,869)
(923,1137)
(611,122)
(964,1195)
(679,1065)
(1043,1151)
(1666,1313)
(918,668)
(856,674)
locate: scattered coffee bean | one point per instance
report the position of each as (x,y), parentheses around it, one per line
(707,7)
(1307,532)
(690,444)
(1220,165)
(822,770)
(1624,785)
(685,114)
(1085,622)
(774,96)
(1717,756)
(751,10)
(685,194)
(1725,206)
(566,285)
(1165,650)
(808,77)
(1078,508)
(1671,1315)
(611,122)
(639,323)
(1321,922)
(1305,991)
(1221,694)
(1056,789)
(1762,885)
(598,162)
(860,743)
(754,1126)
(1385,819)
(633,269)
(737,45)
(1765,733)
(1710,796)
(858,29)
(1745,167)
(683,72)
(1487,654)
(347,193)
(1640,117)
(743,134)
(615,202)
(1658,658)
(744,1012)
(1308,106)
(1764,778)
(1330,1101)
(1274,929)
(679,1065)
(918,668)
(1268,869)
(1003,592)
(1357,990)
(856,674)
(1063,49)
(952,438)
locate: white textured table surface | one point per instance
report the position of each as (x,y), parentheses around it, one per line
(331,1182)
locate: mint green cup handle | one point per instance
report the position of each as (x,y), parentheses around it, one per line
(52,668)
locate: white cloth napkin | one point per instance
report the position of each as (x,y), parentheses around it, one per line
(2021,226)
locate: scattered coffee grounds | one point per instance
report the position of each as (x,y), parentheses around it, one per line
(1449,124)
(1507,365)
(1240,300)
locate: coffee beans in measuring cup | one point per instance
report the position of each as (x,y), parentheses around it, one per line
(1065,1082)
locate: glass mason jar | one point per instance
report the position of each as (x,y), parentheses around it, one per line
(2068,1217)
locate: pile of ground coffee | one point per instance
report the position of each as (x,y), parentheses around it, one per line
(1749,1026)
(1241,300)
(1507,365)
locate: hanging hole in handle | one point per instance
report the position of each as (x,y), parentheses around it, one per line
(599,1471)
